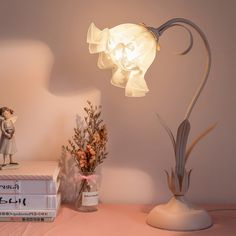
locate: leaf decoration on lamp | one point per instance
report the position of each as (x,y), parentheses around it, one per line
(177,187)
(179,178)
(202,135)
(181,143)
(168,130)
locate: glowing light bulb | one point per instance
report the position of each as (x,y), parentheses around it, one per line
(129,50)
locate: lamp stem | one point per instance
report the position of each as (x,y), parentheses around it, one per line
(177,22)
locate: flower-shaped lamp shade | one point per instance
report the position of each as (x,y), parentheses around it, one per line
(127,49)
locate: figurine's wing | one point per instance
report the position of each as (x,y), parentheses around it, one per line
(13,119)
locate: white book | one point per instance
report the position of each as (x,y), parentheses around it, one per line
(28,202)
(30,213)
(32,177)
(32,170)
(29,186)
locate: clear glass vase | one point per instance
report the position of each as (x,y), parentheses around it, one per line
(87,192)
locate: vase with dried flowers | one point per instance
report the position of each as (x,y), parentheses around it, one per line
(88,148)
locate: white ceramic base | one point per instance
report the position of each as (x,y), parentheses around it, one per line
(179,215)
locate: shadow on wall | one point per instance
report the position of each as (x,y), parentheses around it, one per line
(40,76)
(45,120)
(59,26)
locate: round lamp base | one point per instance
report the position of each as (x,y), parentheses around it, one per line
(179,215)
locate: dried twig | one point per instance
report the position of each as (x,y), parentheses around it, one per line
(88,145)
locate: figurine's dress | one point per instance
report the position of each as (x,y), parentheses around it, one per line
(7,146)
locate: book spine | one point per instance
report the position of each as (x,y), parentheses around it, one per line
(27,219)
(29,187)
(28,202)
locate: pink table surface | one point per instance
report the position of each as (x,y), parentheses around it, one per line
(115,220)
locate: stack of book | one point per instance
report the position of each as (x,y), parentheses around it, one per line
(30,193)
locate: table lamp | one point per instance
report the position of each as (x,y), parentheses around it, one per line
(129,50)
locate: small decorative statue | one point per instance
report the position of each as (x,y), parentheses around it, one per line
(7,140)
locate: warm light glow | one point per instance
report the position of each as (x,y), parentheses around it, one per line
(129,49)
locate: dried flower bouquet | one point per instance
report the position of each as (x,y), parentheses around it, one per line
(88,148)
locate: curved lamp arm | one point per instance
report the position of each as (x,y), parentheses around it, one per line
(178,22)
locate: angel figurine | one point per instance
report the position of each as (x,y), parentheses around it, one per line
(7,140)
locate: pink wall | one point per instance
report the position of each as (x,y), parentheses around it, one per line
(47,74)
